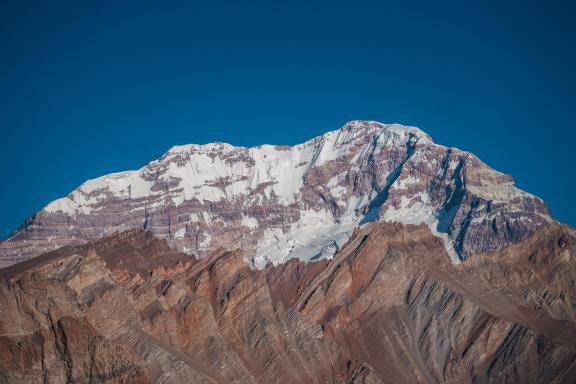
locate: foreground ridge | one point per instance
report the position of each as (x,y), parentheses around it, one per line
(277,203)
(389,307)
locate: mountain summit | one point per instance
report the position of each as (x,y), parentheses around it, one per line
(304,201)
(369,254)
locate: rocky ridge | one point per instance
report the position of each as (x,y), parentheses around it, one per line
(277,203)
(390,307)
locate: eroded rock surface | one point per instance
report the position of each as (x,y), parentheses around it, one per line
(390,307)
(278,202)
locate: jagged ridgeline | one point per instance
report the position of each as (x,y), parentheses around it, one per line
(369,254)
(279,202)
(390,307)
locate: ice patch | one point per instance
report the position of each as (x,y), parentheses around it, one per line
(315,236)
(249,222)
(205,243)
(180,233)
(338,191)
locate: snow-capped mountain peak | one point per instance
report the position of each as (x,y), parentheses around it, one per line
(280,202)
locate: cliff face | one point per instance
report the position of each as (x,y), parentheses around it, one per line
(369,254)
(278,202)
(390,307)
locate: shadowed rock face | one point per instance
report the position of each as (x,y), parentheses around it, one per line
(279,202)
(390,307)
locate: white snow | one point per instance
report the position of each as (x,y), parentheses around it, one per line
(416,210)
(63,204)
(179,234)
(249,222)
(406,182)
(205,243)
(216,171)
(338,191)
(315,236)
(202,171)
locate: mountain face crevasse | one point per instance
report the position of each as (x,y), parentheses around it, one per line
(280,202)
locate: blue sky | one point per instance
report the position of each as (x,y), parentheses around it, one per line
(88,88)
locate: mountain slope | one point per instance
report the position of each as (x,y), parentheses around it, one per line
(278,202)
(390,307)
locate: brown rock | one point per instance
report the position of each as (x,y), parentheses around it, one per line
(197,197)
(389,308)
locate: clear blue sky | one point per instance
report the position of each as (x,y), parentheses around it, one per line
(88,88)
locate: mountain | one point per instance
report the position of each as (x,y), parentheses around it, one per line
(369,254)
(390,307)
(279,202)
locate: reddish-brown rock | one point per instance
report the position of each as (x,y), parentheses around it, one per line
(390,307)
(279,202)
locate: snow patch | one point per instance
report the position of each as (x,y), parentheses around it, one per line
(249,222)
(180,233)
(416,210)
(315,236)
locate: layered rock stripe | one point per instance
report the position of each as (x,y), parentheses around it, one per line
(277,203)
(390,307)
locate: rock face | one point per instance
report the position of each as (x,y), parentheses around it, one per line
(390,307)
(277,202)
